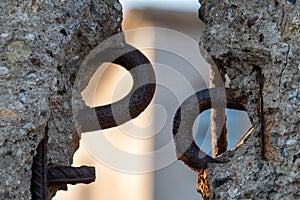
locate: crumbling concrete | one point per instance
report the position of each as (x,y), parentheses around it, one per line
(245,37)
(43,43)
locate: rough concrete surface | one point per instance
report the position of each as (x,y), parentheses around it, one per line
(43,43)
(244,37)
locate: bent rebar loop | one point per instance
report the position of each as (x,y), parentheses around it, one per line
(129,107)
(186,148)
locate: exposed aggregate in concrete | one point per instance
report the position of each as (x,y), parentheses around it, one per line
(240,37)
(42,44)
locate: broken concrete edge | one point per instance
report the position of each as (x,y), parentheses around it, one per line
(42,46)
(271,41)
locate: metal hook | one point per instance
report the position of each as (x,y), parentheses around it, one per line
(130,106)
(186,148)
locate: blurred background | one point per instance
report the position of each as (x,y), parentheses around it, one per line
(167,32)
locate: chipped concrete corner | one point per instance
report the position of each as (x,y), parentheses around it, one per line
(239,36)
(42,46)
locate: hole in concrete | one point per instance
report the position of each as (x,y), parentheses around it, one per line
(237,124)
(109,84)
(261,38)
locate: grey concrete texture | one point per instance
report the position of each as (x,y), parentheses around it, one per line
(42,44)
(239,37)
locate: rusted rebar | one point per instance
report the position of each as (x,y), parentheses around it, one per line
(135,102)
(186,148)
(42,176)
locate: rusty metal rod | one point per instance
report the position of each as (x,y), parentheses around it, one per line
(70,175)
(141,94)
(186,148)
(42,176)
(39,170)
